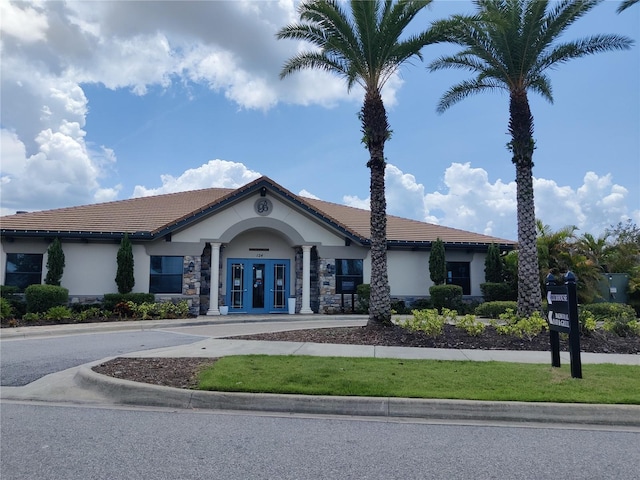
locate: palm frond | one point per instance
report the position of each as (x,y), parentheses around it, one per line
(465,89)
(579,48)
(626,4)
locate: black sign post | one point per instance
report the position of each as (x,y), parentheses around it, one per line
(563,318)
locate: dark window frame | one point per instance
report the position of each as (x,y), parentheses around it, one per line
(463,277)
(166,278)
(31,276)
(349,274)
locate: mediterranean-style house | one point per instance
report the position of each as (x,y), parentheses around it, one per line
(250,249)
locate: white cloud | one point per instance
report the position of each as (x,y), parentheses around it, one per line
(60,173)
(305,193)
(25,23)
(51,49)
(215,173)
(470,201)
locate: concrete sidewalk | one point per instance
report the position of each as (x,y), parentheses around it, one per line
(82,385)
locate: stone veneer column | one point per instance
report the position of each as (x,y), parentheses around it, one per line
(215,280)
(306,279)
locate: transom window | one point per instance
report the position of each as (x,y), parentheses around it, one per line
(166,274)
(23,269)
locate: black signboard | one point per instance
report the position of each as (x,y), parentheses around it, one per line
(563,318)
(558,301)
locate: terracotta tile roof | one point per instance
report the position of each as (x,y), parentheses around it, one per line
(147,217)
(145,214)
(402,229)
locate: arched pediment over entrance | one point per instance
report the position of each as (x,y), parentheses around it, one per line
(289,234)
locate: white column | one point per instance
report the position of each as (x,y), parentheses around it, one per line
(306,279)
(215,280)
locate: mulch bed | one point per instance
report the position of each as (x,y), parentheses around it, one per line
(182,372)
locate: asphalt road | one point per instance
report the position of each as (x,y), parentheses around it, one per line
(76,442)
(26,360)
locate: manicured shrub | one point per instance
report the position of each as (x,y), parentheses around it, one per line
(110,300)
(494,292)
(124,274)
(587,321)
(604,311)
(493,266)
(495,309)
(471,325)
(364,294)
(421,304)
(6,310)
(12,295)
(32,316)
(41,298)
(399,307)
(55,263)
(92,312)
(528,327)
(427,321)
(8,291)
(446,296)
(58,313)
(437,263)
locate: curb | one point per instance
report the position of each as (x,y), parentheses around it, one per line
(134,393)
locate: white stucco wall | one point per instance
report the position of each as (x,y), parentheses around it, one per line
(408,273)
(214,228)
(90,268)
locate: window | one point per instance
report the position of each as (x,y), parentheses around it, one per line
(166,275)
(23,269)
(348,275)
(459,273)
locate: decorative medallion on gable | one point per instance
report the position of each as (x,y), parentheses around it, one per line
(263,206)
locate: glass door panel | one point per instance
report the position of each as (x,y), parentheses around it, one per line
(258,285)
(280,282)
(237,289)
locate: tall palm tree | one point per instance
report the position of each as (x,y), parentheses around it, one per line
(509,45)
(363,45)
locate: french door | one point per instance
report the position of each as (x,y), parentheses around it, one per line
(257,285)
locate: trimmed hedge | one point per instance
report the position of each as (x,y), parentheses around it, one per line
(446,296)
(495,309)
(493,292)
(41,298)
(604,311)
(110,300)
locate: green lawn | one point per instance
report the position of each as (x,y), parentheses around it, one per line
(375,377)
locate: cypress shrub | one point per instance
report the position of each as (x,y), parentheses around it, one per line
(55,263)
(493,265)
(364,294)
(124,275)
(41,298)
(437,263)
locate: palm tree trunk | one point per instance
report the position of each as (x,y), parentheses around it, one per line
(522,145)
(376,131)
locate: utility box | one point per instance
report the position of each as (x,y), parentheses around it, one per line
(613,287)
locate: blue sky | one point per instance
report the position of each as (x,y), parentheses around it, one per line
(107,101)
